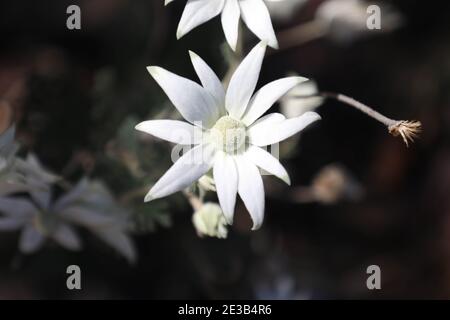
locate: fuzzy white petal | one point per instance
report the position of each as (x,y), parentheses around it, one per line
(194,103)
(267,162)
(197,12)
(257,18)
(267,121)
(166,2)
(264,134)
(120,241)
(87,217)
(17,207)
(175,131)
(243,82)
(291,105)
(42,196)
(11,223)
(66,236)
(251,190)
(267,96)
(230,22)
(226,180)
(30,240)
(209,80)
(70,197)
(186,170)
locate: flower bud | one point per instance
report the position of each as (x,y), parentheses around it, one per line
(210,221)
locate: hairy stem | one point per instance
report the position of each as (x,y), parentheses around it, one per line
(407,130)
(195,201)
(360,106)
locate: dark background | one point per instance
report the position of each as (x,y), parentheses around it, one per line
(70,91)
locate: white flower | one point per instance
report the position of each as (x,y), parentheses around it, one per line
(88,204)
(253,12)
(210,221)
(226,133)
(91,205)
(37,223)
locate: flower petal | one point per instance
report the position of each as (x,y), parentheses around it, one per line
(268,119)
(264,134)
(118,240)
(12,184)
(71,196)
(209,80)
(87,217)
(42,196)
(31,239)
(166,2)
(11,223)
(230,22)
(266,161)
(301,99)
(33,170)
(243,82)
(189,168)
(194,103)
(251,190)
(17,207)
(226,180)
(267,96)
(257,18)
(179,132)
(197,12)
(66,236)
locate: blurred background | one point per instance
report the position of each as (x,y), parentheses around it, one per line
(359,197)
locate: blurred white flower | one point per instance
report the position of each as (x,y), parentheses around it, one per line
(227,133)
(284,9)
(210,221)
(253,12)
(37,223)
(91,205)
(301,99)
(88,204)
(347,19)
(17,175)
(333,183)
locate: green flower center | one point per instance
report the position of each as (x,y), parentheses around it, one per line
(229,134)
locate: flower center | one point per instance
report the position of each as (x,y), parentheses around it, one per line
(229,134)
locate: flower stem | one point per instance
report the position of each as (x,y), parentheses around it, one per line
(195,201)
(360,106)
(408,130)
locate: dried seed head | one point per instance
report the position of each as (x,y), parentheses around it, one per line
(408,130)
